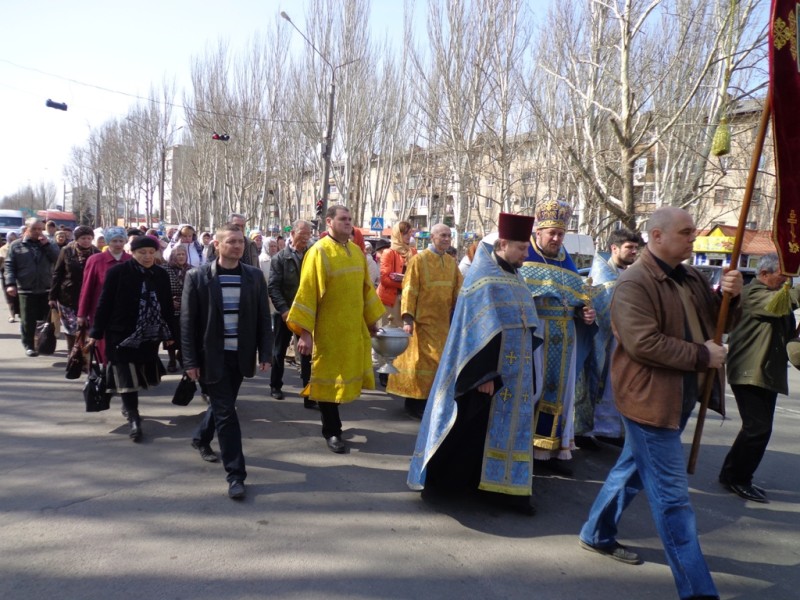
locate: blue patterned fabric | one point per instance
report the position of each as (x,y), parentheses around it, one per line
(595,412)
(492,302)
(557,290)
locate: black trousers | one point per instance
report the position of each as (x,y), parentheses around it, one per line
(331,422)
(283,337)
(221,417)
(757,409)
(32,308)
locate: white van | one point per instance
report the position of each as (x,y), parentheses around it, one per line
(10,220)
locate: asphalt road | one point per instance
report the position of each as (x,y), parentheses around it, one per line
(87,514)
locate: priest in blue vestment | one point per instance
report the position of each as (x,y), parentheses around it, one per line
(563,305)
(596,415)
(476,432)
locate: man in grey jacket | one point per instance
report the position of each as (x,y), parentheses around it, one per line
(29,274)
(225,323)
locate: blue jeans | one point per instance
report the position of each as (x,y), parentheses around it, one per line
(221,417)
(652,460)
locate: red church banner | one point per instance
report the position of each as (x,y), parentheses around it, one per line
(784,76)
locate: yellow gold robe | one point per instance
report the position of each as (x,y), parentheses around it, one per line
(336,302)
(430,289)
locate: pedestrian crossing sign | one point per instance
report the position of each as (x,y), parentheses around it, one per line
(376,224)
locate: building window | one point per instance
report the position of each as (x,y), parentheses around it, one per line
(489,203)
(490,181)
(396,206)
(640,169)
(720,196)
(756,198)
(573,223)
(752,225)
(648,196)
(528,178)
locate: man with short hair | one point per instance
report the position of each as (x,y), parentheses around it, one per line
(476,433)
(334,312)
(567,317)
(757,373)
(430,288)
(50,231)
(250,256)
(284,279)
(595,413)
(663,315)
(225,325)
(29,275)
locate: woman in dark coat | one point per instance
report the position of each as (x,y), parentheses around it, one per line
(68,279)
(134,315)
(177,267)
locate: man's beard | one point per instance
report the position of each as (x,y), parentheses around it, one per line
(547,252)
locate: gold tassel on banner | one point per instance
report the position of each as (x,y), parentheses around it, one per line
(722,139)
(781,302)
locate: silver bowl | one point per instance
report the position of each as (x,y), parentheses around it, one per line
(390,343)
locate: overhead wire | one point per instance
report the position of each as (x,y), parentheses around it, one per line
(153,100)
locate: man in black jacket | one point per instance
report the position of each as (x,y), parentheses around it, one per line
(225,321)
(29,274)
(284,279)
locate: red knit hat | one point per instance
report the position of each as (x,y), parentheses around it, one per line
(516,228)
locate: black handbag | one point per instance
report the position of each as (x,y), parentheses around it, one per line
(46,337)
(185,391)
(94,390)
(78,359)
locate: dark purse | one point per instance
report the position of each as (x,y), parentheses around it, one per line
(185,391)
(78,359)
(94,390)
(46,337)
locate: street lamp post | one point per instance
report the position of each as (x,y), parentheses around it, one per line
(328,145)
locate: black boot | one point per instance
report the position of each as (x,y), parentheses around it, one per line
(136,428)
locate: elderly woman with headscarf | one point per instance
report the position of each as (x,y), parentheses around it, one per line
(186,235)
(177,267)
(11,301)
(99,240)
(134,315)
(65,291)
(94,275)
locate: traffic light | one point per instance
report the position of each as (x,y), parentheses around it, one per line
(56,105)
(320,203)
(220,137)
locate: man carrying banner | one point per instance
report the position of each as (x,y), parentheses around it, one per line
(662,314)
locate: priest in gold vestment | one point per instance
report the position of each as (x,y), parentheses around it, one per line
(335,310)
(430,289)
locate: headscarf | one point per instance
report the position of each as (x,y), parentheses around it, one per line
(399,246)
(358,239)
(115,232)
(174,263)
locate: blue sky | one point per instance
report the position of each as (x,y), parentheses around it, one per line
(125,46)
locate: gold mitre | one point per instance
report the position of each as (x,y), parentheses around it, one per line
(553,213)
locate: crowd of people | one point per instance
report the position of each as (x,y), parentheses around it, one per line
(513,362)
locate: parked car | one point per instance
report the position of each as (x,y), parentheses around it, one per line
(714,274)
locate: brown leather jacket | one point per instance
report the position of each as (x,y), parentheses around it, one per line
(653,355)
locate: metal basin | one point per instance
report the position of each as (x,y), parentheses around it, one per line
(390,343)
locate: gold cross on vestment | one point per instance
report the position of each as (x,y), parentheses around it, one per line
(783,33)
(527,358)
(506,394)
(511,358)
